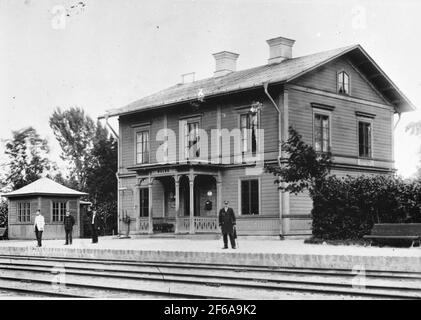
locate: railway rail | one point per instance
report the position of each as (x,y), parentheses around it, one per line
(94,278)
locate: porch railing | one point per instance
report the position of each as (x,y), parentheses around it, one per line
(201,224)
(205,224)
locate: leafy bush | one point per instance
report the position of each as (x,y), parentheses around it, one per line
(344,208)
(3,213)
(347,208)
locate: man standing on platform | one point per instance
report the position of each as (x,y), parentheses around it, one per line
(39,226)
(69,222)
(94,226)
(227,224)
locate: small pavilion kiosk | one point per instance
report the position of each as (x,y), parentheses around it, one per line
(52,199)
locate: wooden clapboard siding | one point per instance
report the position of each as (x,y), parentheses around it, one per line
(19,230)
(344,124)
(269,199)
(208,120)
(157,199)
(127,196)
(300,204)
(325,78)
(231,111)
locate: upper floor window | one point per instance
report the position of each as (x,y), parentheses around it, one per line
(142,147)
(364,139)
(59,210)
(191,139)
(248,127)
(343,82)
(321,132)
(24,211)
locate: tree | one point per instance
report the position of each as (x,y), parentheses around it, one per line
(75,132)
(101,181)
(28,157)
(92,153)
(304,168)
(3,213)
(414,128)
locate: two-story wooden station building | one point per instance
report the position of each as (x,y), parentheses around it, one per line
(169,171)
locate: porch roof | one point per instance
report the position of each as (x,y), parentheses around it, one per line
(176,167)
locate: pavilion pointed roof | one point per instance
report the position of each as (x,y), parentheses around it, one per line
(44,186)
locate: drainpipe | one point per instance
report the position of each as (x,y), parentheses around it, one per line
(116,174)
(399,119)
(265,86)
(281,195)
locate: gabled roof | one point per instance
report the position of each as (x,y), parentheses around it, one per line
(44,186)
(281,72)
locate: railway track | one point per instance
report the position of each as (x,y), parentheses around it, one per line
(92,278)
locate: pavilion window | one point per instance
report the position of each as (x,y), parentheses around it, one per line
(24,211)
(59,211)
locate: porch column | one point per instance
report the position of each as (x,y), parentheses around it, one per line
(177,201)
(191,183)
(218,194)
(150,219)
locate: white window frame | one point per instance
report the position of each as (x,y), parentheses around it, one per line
(18,209)
(186,122)
(349,82)
(259,181)
(66,207)
(371,122)
(139,130)
(258,137)
(327,113)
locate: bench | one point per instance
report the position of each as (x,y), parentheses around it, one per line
(3,233)
(396,231)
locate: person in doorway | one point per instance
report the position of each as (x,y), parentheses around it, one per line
(39,226)
(227,224)
(69,222)
(94,226)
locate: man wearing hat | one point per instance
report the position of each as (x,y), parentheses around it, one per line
(39,224)
(227,223)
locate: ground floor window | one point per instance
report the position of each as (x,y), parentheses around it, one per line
(24,211)
(59,211)
(144,202)
(250,197)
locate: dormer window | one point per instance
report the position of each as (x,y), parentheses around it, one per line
(343,83)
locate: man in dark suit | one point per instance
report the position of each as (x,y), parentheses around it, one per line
(69,222)
(95,223)
(227,224)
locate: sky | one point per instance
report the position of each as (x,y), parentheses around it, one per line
(103,54)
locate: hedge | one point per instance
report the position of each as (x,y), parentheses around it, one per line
(346,208)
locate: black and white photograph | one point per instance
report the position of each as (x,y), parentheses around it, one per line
(210,151)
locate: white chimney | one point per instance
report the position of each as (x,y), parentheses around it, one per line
(226,62)
(280,48)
